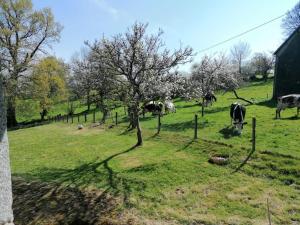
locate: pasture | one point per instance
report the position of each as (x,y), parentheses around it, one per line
(169,179)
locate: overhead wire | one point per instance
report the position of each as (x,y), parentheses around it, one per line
(241,34)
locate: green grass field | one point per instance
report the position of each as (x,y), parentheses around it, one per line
(28,110)
(169,179)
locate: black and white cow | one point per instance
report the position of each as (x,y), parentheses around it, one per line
(209,98)
(288,101)
(154,107)
(237,114)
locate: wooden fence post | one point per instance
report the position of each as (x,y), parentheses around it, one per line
(269,214)
(253,134)
(159,124)
(116,118)
(196,127)
(85,117)
(94,116)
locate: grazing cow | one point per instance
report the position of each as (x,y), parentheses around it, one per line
(209,98)
(169,107)
(155,108)
(288,101)
(237,114)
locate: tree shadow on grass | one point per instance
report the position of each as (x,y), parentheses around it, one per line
(49,203)
(182,126)
(268,103)
(96,173)
(187,106)
(216,109)
(186,145)
(289,118)
(178,127)
(228,132)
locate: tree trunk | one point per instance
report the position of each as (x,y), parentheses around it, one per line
(132,120)
(104,115)
(11,112)
(88,101)
(103,109)
(240,67)
(6,213)
(136,118)
(265,76)
(43,114)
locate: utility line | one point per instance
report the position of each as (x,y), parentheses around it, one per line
(241,34)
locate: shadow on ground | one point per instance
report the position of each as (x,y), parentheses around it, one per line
(182,126)
(64,203)
(269,103)
(52,204)
(210,110)
(228,132)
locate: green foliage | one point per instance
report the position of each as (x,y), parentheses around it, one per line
(26,109)
(48,84)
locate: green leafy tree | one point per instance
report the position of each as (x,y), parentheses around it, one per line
(48,84)
(24,33)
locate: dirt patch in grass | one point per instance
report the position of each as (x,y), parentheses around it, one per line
(51,204)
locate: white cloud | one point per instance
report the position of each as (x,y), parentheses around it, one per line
(105,6)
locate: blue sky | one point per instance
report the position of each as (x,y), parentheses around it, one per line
(197,23)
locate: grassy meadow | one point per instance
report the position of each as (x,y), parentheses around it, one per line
(169,179)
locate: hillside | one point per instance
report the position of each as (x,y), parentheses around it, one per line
(169,179)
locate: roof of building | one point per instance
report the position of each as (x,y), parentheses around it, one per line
(287,40)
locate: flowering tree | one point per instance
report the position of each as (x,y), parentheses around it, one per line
(263,63)
(81,81)
(140,59)
(211,74)
(104,84)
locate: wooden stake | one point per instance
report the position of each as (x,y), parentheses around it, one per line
(269,214)
(116,118)
(253,134)
(196,127)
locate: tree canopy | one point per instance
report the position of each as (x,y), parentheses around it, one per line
(48,83)
(24,32)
